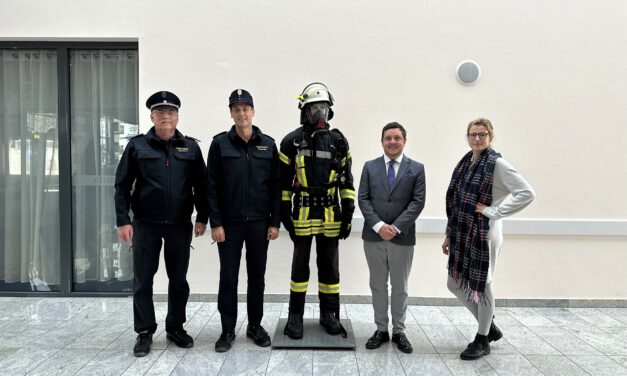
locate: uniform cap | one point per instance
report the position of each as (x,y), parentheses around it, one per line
(163,99)
(241,96)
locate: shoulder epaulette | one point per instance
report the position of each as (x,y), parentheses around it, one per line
(192,138)
(219,134)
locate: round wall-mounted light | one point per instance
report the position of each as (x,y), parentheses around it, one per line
(468,72)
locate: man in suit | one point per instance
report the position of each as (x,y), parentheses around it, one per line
(391,196)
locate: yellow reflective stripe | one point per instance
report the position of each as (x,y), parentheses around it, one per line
(303,214)
(343,160)
(331,191)
(299,286)
(329,215)
(347,193)
(286,195)
(300,168)
(284,158)
(332,175)
(329,289)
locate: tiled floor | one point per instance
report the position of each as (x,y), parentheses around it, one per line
(94,336)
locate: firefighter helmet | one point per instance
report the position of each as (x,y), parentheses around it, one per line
(315,92)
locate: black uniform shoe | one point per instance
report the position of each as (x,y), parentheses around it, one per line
(180,338)
(258,334)
(294,326)
(223,344)
(479,348)
(377,339)
(142,344)
(330,323)
(402,342)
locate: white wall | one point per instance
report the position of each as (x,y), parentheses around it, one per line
(554,84)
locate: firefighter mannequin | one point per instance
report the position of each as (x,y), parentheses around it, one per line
(317,201)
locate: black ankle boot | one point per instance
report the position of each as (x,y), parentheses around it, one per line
(330,323)
(479,348)
(294,326)
(495,333)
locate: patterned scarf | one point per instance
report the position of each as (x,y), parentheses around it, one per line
(469,253)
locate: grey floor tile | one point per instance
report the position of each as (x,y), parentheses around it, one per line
(622,360)
(419,340)
(512,365)
(619,314)
(561,316)
(361,313)
(596,317)
(564,341)
(529,316)
(141,365)
(64,362)
(459,315)
(108,363)
(556,365)
(459,367)
(527,342)
(23,337)
(168,361)
(424,365)
(379,364)
(24,360)
(335,363)
(6,351)
(247,362)
(599,365)
(446,339)
(100,337)
(201,362)
(429,315)
(599,339)
(503,318)
(618,332)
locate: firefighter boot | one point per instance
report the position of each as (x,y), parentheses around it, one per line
(330,323)
(294,326)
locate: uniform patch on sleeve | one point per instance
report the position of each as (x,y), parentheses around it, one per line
(182,149)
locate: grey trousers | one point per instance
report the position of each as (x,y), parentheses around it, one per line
(386,259)
(482,312)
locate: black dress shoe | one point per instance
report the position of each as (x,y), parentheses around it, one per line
(142,344)
(479,348)
(377,339)
(180,338)
(294,326)
(258,334)
(223,344)
(330,323)
(402,342)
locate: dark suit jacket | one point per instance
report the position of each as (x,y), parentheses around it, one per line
(399,206)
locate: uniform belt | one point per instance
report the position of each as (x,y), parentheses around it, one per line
(313,201)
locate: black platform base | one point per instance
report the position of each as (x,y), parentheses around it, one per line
(314,336)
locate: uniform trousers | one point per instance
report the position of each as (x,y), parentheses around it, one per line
(388,260)
(327,261)
(147,241)
(255,235)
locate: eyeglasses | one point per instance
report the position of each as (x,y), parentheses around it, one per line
(165,112)
(481,135)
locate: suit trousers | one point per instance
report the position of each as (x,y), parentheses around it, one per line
(147,241)
(386,259)
(255,235)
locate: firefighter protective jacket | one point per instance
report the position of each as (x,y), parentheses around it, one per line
(315,172)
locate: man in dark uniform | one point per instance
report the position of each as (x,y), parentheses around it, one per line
(170,178)
(244,206)
(316,176)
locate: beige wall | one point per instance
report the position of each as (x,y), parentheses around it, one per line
(554,84)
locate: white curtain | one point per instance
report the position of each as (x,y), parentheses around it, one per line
(104,110)
(29,186)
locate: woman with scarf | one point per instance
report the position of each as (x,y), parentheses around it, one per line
(476,201)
